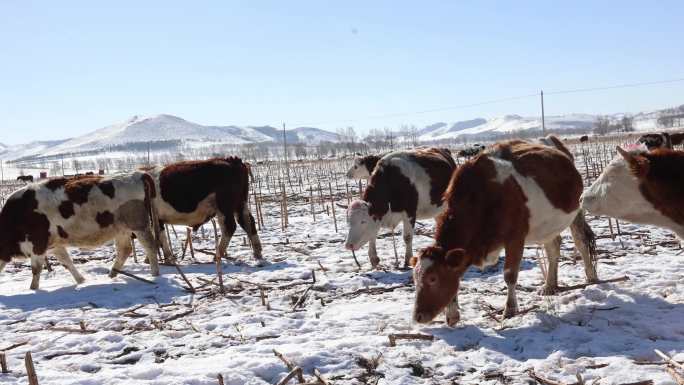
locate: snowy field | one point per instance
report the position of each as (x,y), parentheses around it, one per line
(124,331)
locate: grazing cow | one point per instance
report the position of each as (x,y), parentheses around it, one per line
(25,178)
(82,212)
(584,138)
(193,192)
(662,140)
(472,150)
(405,186)
(641,186)
(513,194)
(363,166)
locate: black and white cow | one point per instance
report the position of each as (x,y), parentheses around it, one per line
(405,186)
(193,192)
(86,211)
(363,166)
(654,141)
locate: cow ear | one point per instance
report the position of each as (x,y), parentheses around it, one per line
(457,259)
(625,154)
(637,163)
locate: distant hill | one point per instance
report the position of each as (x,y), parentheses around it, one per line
(168,131)
(135,131)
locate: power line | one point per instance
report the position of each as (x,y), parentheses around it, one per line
(495,101)
(626,85)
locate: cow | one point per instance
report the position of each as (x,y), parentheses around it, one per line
(641,186)
(25,178)
(584,138)
(405,186)
(193,192)
(363,166)
(49,216)
(471,151)
(662,140)
(514,193)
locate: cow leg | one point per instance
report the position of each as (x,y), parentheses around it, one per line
(585,243)
(514,251)
(373,253)
(407,233)
(124,248)
(552,249)
(36,267)
(63,257)
(2,265)
(246,221)
(453,314)
(147,241)
(228,226)
(165,244)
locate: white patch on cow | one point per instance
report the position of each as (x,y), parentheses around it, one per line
(616,194)
(26,248)
(546,220)
(418,177)
(358,170)
(419,271)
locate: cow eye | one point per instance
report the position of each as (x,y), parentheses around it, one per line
(432,279)
(363,222)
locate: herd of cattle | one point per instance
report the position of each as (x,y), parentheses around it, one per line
(510,194)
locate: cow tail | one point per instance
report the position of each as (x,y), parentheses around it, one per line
(150,194)
(247,177)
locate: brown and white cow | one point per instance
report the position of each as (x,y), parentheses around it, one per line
(193,192)
(363,166)
(661,140)
(641,186)
(514,193)
(83,212)
(405,186)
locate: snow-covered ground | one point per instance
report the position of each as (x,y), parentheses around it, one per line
(137,333)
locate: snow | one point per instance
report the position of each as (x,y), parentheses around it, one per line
(348,315)
(509,124)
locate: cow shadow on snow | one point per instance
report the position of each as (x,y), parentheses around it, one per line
(122,292)
(619,323)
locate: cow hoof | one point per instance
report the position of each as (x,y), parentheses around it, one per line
(453,319)
(375,262)
(549,290)
(155,273)
(113,274)
(510,312)
(80,280)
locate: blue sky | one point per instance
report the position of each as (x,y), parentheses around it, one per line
(68,67)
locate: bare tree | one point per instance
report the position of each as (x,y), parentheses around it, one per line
(628,123)
(601,125)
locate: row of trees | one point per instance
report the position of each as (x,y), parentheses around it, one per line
(604,125)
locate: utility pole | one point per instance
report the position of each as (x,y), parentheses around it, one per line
(148,154)
(542,106)
(285,152)
(2,173)
(62,157)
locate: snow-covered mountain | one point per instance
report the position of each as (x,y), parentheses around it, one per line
(514,123)
(160,128)
(153,129)
(29,149)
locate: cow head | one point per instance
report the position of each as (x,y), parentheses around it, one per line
(358,170)
(655,141)
(616,192)
(437,275)
(362,227)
